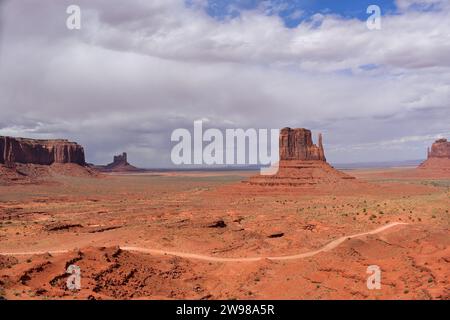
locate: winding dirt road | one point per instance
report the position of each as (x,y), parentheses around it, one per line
(330,246)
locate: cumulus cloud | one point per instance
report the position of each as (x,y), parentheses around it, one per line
(422,4)
(139,69)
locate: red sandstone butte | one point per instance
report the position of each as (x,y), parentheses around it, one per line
(119,164)
(297,144)
(438,157)
(302,163)
(440,149)
(39,152)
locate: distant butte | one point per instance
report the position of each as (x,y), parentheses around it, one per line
(302,163)
(438,157)
(119,164)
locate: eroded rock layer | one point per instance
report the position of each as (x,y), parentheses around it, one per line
(119,164)
(297,144)
(440,149)
(41,152)
(438,158)
(301,173)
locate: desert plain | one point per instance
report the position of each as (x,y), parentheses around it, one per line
(212,235)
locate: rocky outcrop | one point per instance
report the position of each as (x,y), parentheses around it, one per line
(439,149)
(438,161)
(120,159)
(302,163)
(119,164)
(40,152)
(32,161)
(297,144)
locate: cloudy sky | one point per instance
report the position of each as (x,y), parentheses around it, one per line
(139,69)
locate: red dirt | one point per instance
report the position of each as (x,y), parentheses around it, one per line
(178,212)
(42,174)
(294,173)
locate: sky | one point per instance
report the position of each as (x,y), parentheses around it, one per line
(137,70)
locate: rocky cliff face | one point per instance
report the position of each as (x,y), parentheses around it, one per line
(120,159)
(297,144)
(41,152)
(438,163)
(439,149)
(302,164)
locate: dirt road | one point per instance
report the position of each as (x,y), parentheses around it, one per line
(330,246)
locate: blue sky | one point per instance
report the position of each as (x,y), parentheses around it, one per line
(289,10)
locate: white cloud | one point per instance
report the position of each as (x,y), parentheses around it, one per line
(139,69)
(405,5)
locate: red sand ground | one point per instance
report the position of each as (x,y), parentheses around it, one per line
(303,173)
(218,216)
(23,174)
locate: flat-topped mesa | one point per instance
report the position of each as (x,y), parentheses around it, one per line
(439,149)
(40,152)
(297,144)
